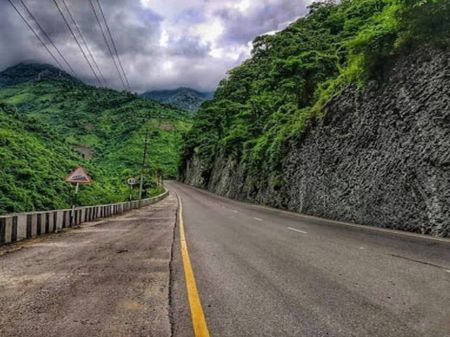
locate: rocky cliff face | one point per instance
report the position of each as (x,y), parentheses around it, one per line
(380,156)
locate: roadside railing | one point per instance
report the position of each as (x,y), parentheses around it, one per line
(21,226)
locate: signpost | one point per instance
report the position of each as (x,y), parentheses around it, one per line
(77,177)
(131,182)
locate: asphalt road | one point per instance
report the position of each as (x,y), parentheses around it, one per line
(107,278)
(263,272)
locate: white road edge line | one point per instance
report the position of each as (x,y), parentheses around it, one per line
(297,230)
(341,223)
(257,219)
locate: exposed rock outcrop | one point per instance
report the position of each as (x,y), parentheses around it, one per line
(380,156)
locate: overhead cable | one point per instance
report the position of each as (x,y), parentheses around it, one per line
(107,43)
(84,42)
(43,31)
(36,34)
(113,44)
(76,40)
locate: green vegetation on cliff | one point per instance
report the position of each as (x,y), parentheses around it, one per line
(49,123)
(272,96)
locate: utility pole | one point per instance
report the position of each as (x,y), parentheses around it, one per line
(144,157)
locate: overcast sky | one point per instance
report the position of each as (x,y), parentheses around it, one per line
(163,44)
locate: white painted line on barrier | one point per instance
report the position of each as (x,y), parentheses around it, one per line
(297,230)
(257,219)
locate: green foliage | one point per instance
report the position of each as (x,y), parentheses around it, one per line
(272,97)
(42,122)
(424,20)
(182,98)
(33,163)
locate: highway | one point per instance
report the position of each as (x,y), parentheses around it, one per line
(252,271)
(264,272)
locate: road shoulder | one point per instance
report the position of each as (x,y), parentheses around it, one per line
(110,278)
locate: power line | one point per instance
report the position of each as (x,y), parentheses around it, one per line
(113,43)
(76,40)
(107,43)
(84,41)
(36,34)
(47,36)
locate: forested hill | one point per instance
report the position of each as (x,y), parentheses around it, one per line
(183,98)
(259,138)
(30,72)
(52,122)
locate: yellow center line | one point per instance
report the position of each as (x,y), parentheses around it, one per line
(197,315)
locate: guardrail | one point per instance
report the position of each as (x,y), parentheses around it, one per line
(21,226)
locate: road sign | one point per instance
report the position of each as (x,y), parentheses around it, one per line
(78,176)
(132,181)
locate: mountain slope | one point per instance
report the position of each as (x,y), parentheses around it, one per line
(269,135)
(183,98)
(107,126)
(33,163)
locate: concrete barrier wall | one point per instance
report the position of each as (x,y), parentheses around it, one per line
(21,226)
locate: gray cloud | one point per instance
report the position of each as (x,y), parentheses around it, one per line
(176,43)
(187,46)
(243,27)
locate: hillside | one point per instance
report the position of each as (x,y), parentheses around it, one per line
(104,126)
(34,162)
(182,98)
(302,125)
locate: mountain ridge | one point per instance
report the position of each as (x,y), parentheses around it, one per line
(31,71)
(183,98)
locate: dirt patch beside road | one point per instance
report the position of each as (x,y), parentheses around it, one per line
(109,278)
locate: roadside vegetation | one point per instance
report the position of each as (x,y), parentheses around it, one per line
(274,95)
